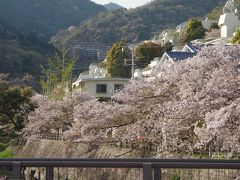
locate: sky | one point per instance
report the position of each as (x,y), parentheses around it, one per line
(124,3)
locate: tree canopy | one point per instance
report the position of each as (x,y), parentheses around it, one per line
(115,61)
(185,109)
(15,104)
(146,52)
(193,30)
(236,37)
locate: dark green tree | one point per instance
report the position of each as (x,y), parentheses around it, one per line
(146,52)
(15,105)
(194,30)
(115,62)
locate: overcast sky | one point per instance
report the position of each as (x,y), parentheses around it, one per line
(124,3)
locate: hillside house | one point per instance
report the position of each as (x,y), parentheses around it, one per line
(181,27)
(97,84)
(229,20)
(207,23)
(100,87)
(228,23)
(189,50)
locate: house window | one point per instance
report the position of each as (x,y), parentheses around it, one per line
(101,88)
(118,87)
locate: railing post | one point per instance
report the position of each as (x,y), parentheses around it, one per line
(147,171)
(16,170)
(49,173)
(157,174)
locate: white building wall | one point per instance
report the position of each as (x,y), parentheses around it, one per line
(207,23)
(90,87)
(228,23)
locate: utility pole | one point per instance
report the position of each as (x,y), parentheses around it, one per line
(70,86)
(50,83)
(132,61)
(132,48)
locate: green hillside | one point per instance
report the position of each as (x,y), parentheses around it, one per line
(112,6)
(136,24)
(45,17)
(21,54)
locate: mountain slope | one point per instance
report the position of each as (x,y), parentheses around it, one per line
(45,17)
(137,24)
(21,54)
(112,6)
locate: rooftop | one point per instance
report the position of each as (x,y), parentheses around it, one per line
(100,79)
(179,55)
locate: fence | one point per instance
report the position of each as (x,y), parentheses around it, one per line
(51,136)
(152,169)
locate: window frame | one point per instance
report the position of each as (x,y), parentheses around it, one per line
(101,88)
(118,89)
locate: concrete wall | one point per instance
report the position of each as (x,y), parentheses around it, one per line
(90,87)
(61,149)
(228,23)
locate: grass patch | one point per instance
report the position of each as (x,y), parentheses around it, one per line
(6,154)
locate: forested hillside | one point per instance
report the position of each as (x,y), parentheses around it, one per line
(45,17)
(137,24)
(21,53)
(112,6)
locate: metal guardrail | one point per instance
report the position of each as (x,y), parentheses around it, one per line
(151,167)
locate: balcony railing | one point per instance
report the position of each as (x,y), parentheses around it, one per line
(152,169)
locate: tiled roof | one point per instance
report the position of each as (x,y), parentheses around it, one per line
(179,55)
(194,47)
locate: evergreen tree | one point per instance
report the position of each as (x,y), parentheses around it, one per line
(115,61)
(15,105)
(146,52)
(236,37)
(194,30)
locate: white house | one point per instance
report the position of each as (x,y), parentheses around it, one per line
(100,87)
(94,72)
(228,23)
(187,51)
(229,20)
(97,84)
(147,71)
(180,28)
(207,23)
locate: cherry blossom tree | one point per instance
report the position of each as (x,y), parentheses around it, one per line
(185,108)
(52,115)
(213,34)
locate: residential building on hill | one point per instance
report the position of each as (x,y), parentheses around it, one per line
(94,51)
(97,84)
(100,87)
(229,21)
(189,50)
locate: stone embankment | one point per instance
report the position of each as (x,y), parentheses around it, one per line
(61,149)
